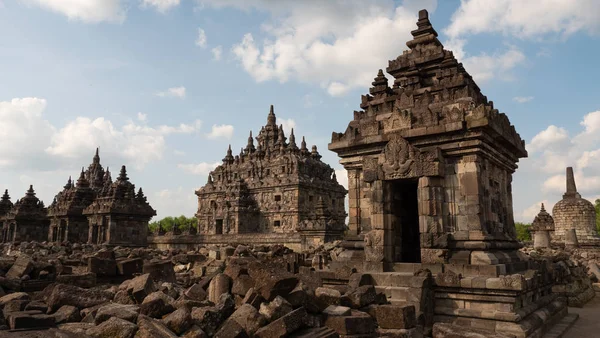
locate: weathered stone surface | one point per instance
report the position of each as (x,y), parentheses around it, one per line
(22,266)
(152,328)
(272,282)
(114,327)
(356,323)
(248,318)
(67,314)
(178,321)
(102,266)
(155,308)
(195,292)
(241,285)
(276,309)
(336,310)
(444,330)
(85,280)
(75,296)
(284,326)
(13,296)
(126,312)
(359,297)
(209,318)
(395,317)
(140,287)
(160,271)
(77,328)
(233,330)
(129,267)
(219,285)
(195,332)
(328,295)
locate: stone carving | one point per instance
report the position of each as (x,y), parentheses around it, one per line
(373,246)
(398,158)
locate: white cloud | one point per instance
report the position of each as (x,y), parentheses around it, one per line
(552,136)
(174,202)
(522,99)
(161,6)
(220,131)
(142,117)
(88,11)
(201,39)
(24,131)
(525,19)
(338,45)
(485,67)
(342,177)
(203,168)
(217,52)
(287,124)
(173,92)
(137,144)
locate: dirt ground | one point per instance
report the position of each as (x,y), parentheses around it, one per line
(588,324)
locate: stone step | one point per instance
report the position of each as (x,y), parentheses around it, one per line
(559,329)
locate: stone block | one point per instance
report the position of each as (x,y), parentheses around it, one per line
(275,309)
(22,320)
(102,266)
(22,266)
(285,325)
(114,327)
(178,321)
(148,327)
(140,287)
(395,317)
(126,312)
(483,258)
(160,271)
(219,285)
(85,280)
(356,324)
(129,267)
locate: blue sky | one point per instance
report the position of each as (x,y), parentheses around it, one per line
(164,86)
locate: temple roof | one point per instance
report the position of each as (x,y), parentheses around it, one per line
(29,206)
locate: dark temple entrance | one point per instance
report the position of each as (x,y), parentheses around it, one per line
(405,209)
(219,227)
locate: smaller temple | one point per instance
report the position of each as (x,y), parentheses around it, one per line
(27,220)
(541,229)
(574,212)
(119,216)
(5,206)
(67,222)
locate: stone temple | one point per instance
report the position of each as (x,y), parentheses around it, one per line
(92,210)
(273,187)
(430,164)
(574,212)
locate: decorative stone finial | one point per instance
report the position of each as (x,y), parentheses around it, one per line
(123,174)
(271,119)
(292,144)
(229,157)
(97,155)
(571,187)
(424,33)
(5,197)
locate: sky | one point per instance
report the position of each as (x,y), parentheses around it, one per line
(164,86)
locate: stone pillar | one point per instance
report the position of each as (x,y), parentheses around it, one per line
(430,197)
(571,239)
(541,239)
(354,201)
(469,219)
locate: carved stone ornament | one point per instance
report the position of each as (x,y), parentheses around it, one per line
(398,159)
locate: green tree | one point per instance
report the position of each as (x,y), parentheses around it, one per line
(523,231)
(181,222)
(597,206)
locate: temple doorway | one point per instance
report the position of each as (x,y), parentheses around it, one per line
(219,227)
(405,224)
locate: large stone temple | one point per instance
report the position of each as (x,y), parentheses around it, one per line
(430,163)
(273,187)
(26,220)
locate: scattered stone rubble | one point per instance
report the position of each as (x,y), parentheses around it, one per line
(244,291)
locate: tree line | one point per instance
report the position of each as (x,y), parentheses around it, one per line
(169,223)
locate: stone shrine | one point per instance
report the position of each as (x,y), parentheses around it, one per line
(541,228)
(119,216)
(574,212)
(26,220)
(430,164)
(273,187)
(5,206)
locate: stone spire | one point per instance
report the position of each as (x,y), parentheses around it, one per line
(250,146)
(30,192)
(424,34)
(5,197)
(140,196)
(271,119)
(69,184)
(81,181)
(229,157)
(314,153)
(107,177)
(380,83)
(96,159)
(123,175)
(571,187)
(292,144)
(303,149)
(280,137)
